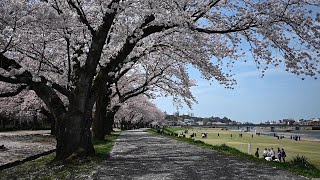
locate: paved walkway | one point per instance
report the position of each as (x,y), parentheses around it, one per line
(139,155)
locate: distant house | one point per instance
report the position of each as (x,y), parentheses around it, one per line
(273,122)
(172,123)
(181,123)
(303,122)
(297,123)
(280,122)
(218,123)
(189,122)
(288,121)
(315,121)
(200,123)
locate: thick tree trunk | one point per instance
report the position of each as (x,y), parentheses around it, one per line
(3,124)
(50,119)
(55,106)
(76,133)
(109,122)
(76,138)
(98,125)
(110,119)
(53,127)
(122,124)
(73,126)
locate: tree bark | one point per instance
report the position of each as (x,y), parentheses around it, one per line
(100,113)
(76,132)
(110,119)
(51,120)
(55,106)
(109,122)
(75,129)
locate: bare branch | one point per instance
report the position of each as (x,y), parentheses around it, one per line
(200,13)
(233,29)
(25,77)
(82,16)
(61,89)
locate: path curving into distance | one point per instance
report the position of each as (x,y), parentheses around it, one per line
(143,156)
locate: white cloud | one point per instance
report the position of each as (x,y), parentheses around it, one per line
(258,74)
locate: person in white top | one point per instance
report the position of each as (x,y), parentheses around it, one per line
(272,154)
(264,153)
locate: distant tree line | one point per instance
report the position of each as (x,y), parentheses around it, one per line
(176,117)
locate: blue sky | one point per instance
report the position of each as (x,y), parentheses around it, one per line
(277,95)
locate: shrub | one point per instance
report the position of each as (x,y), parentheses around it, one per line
(224,147)
(300,161)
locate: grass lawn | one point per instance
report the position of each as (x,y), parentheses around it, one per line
(44,168)
(297,165)
(293,148)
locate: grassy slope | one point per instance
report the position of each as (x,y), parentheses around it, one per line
(309,171)
(43,168)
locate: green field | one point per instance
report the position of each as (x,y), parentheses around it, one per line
(293,148)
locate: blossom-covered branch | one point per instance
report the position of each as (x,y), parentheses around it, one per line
(14,93)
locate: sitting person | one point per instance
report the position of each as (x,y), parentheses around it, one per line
(204,135)
(276,160)
(264,153)
(268,158)
(268,153)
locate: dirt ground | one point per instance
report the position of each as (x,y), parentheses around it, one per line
(22,144)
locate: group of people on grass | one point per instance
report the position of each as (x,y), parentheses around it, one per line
(297,138)
(271,155)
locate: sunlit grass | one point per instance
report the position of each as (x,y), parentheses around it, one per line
(311,150)
(238,147)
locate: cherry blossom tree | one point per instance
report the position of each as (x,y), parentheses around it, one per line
(155,79)
(74,49)
(23,108)
(138,112)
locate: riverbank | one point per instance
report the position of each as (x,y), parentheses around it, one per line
(305,135)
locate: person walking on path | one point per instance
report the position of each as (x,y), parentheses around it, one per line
(257,153)
(283,155)
(279,154)
(273,157)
